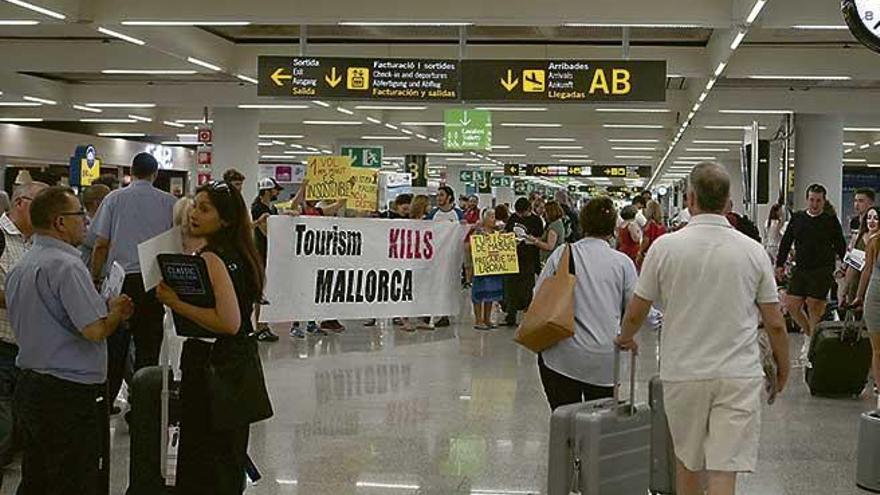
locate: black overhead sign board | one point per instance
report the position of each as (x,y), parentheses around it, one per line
(563,81)
(607,171)
(556,81)
(360,78)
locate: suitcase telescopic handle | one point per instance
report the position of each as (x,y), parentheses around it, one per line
(632,380)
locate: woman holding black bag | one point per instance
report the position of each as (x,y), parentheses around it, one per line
(223,389)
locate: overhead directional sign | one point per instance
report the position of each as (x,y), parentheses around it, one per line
(360,78)
(467,130)
(501,181)
(609,171)
(564,81)
(361,157)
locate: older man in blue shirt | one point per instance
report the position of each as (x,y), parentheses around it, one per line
(61,323)
(128,217)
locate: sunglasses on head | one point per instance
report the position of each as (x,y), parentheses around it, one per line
(219,186)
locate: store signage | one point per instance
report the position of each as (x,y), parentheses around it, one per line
(361,157)
(358,78)
(85,166)
(611,172)
(163,154)
(564,81)
(467,130)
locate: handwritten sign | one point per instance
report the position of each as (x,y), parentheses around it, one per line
(363,194)
(494,254)
(328,177)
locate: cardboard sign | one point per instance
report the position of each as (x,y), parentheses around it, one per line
(364,192)
(494,254)
(328,177)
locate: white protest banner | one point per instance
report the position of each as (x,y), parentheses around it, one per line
(351,268)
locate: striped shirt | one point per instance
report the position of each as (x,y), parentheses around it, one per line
(16,246)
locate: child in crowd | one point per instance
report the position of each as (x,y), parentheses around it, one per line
(486,289)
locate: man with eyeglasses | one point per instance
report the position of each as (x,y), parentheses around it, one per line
(128,217)
(17,229)
(61,324)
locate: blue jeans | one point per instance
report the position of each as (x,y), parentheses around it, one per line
(8,379)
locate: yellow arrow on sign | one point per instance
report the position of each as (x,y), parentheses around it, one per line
(510,83)
(333,80)
(279,76)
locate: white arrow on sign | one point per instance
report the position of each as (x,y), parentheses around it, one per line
(465,121)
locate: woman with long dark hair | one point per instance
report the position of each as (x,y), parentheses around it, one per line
(223,389)
(775,226)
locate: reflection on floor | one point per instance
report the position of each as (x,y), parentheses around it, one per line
(456,411)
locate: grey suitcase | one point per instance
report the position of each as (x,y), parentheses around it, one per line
(868,467)
(662,451)
(663,464)
(600,447)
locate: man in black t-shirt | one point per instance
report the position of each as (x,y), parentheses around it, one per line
(818,239)
(261,209)
(518,287)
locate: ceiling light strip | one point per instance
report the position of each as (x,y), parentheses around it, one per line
(37,8)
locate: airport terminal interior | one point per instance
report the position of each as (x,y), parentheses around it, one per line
(497,100)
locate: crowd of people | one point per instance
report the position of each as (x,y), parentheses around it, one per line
(66,349)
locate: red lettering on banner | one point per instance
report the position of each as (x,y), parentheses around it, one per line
(429,245)
(417,249)
(410,244)
(393,236)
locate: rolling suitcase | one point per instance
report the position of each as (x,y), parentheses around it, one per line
(839,358)
(868,466)
(154,402)
(600,447)
(662,480)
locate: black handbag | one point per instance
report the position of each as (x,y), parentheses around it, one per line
(237,387)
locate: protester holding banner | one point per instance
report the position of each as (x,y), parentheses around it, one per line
(311,208)
(486,289)
(444,212)
(261,209)
(518,287)
(581,368)
(419,207)
(234,178)
(223,390)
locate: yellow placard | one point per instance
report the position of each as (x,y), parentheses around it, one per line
(88,174)
(328,178)
(363,194)
(494,254)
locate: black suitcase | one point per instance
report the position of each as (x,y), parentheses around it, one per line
(148,426)
(839,358)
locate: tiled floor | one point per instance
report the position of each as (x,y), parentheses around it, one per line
(453,411)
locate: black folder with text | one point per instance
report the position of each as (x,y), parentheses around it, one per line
(188,276)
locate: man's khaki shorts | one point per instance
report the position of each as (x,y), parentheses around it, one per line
(715,424)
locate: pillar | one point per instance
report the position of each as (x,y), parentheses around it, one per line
(236,137)
(818,156)
(734,169)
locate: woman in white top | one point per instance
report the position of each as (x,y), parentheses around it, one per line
(774,231)
(581,368)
